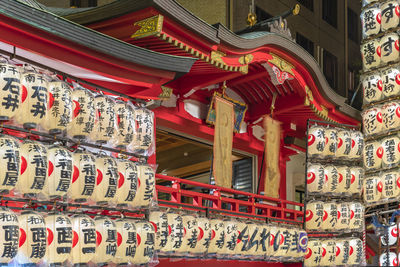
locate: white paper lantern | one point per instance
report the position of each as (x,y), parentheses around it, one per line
(316,179)
(59,113)
(59,238)
(314,215)
(373,153)
(144,134)
(126,241)
(273,243)
(342,251)
(329,218)
(177,231)
(372,189)
(371,54)
(344,144)
(391,151)
(356,251)
(59,172)
(344,180)
(145,186)
(389,44)
(331,145)
(391,82)
(231,236)
(392,260)
(106,180)
(391,116)
(356,216)
(343,216)
(264,236)
(145,243)
(303,243)
(372,88)
(314,253)
(125,116)
(252,246)
(288,249)
(392,234)
(357,144)
(317,141)
(371,21)
(34,100)
(83,239)
(390,12)
(32,238)
(204,237)
(217,241)
(127,182)
(331,179)
(11,93)
(83,177)
(390,187)
(83,115)
(105,122)
(9,235)
(159,220)
(10,162)
(106,240)
(191,234)
(372,121)
(33,168)
(356,182)
(328,255)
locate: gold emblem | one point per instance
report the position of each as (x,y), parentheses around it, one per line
(282,64)
(148,27)
(166,92)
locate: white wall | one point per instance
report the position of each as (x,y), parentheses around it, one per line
(295,171)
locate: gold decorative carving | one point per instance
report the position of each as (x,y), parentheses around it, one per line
(148,27)
(246,59)
(282,64)
(217,56)
(166,92)
(309,101)
(309,96)
(296,10)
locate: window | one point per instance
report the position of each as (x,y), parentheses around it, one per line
(330,67)
(242,175)
(299,197)
(83,3)
(309,4)
(352,25)
(329,12)
(262,15)
(305,43)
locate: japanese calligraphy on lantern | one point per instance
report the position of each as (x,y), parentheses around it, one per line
(314,215)
(84,239)
(106,180)
(390,15)
(372,87)
(371,21)
(389,45)
(10,93)
(371,54)
(373,153)
(59,237)
(105,122)
(9,235)
(106,240)
(145,248)
(84,176)
(126,126)
(126,241)
(146,186)
(127,182)
(10,160)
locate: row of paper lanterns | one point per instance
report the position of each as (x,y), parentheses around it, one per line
(334,142)
(382,187)
(35,100)
(381,85)
(187,235)
(334,252)
(56,238)
(379,17)
(382,153)
(334,180)
(334,216)
(32,169)
(381,118)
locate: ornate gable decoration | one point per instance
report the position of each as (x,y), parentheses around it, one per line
(279,69)
(148,27)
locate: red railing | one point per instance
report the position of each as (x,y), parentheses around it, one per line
(226,201)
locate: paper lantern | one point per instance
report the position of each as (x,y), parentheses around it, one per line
(105,122)
(317,140)
(177,231)
(59,172)
(371,21)
(356,182)
(329,218)
(391,116)
(231,236)
(314,215)
(372,121)
(83,239)
(391,82)
(344,144)
(328,255)
(191,233)
(84,176)
(389,238)
(127,182)
(145,243)
(106,181)
(126,241)
(125,116)
(356,253)
(217,241)
(316,179)
(11,93)
(144,134)
(146,186)
(264,236)
(372,189)
(10,162)
(288,248)
(313,255)
(159,220)
(252,246)
(83,115)
(59,113)
(344,180)
(331,145)
(390,12)
(372,88)
(357,144)
(59,238)
(388,259)
(34,95)
(273,244)
(342,252)
(373,153)
(9,235)
(391,151)
(343,216)
(32,239)
(302,243)
(356,216)
(371,54)
(204,237)
(389,44)
(106,240)
(390,185)
(33,168)
(331,179)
